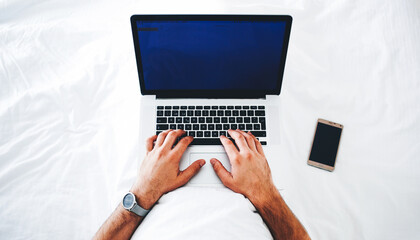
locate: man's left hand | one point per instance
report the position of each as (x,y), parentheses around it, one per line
(159,172)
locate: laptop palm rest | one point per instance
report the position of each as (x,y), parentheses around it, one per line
(206,175)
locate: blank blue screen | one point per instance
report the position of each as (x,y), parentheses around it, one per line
(210,55)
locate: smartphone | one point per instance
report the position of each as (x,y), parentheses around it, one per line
(325,144)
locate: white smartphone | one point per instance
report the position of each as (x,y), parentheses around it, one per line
(325,144)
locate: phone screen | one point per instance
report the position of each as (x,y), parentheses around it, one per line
(325,145)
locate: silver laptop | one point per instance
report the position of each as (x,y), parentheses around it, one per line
(206,74)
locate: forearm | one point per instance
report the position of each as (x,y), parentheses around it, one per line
(120,225)
(279,218)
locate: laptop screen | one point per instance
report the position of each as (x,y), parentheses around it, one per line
(211,54)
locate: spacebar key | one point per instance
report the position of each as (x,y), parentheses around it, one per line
(206,141)
(259,133)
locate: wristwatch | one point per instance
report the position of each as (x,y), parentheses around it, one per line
(130,204)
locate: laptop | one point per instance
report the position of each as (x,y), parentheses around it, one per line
(206,74)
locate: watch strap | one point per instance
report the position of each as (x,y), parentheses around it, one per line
(139,210)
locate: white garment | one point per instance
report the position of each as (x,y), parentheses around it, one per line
(203,213)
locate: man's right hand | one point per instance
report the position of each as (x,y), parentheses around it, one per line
(250,174)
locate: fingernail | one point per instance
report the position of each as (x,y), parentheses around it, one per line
(212,161)
(202,163)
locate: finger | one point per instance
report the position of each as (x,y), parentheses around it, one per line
(249,139)
(161,137)
(258,145)
(172,137)
(181,146)
(221,172)
(191,171)
(239,140)
(149,143)
(230,148)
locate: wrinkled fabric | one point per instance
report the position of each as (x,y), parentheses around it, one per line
(69,121)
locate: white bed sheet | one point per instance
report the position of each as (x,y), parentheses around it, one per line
(69,114)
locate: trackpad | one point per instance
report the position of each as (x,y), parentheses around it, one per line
(206,175)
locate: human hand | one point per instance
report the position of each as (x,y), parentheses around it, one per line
(250,174)
(159,172)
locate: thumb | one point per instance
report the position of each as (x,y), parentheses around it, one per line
(190,171)
(221,171)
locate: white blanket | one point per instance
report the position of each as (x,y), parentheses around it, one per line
(69,120)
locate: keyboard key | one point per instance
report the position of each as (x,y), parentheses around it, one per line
(212,113)
(263,143)
(188,127)
(205,113)
(171,120)
(229,107)
(219,126)
(201,120)
(182,113)
(250,113)
(228,113)
(175,113)
(225,126)
(158,132)
(180,126)
(159,107)
(241,126)
(159,113)
(207,134)
(249,127)
(172,126)
(256,126)
(222,133)
(194,120)
(224,119)
(190,113)
(199,107)
(162,126)
(239,120)
(261,107)
(220,113)
(231,120)
(209,120)
(263,126)
(214,107)
(186,120)
(196,127)
(206,141)
(259,113)
(234,126)
(210,127)
(168,107)
(222,107)
(200,134)
(261,119)
(242,113)
(245,107)
(178,120)
(167,113)
(183,107)
(259,133)
(214,134)
(175,107)
(206,107)
(203,127)
(216,120)
(254,119)
(161,120)
(191,107)
(197,113)
(235,113)
(247,119)
(253,107)
(191,133)
(238,107)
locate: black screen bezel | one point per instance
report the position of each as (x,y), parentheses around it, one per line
(211,93)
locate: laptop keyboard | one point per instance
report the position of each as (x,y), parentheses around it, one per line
(207,123)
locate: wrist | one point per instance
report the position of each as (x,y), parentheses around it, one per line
(265,197)
(145,199)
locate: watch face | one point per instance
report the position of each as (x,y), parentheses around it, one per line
(128,200)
